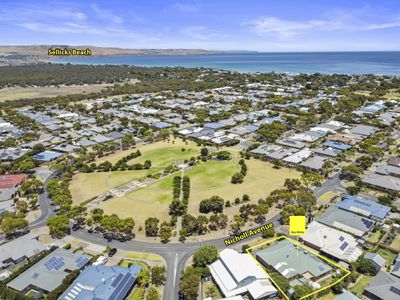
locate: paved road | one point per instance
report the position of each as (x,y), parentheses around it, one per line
(174,254)
(45,206)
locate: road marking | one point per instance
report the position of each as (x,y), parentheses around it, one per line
(175,267)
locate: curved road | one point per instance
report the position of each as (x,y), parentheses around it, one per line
(174,254)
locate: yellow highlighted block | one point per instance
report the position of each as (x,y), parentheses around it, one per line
(347,272)
(297,225)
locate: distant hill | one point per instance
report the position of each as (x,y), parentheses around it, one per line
(39,52)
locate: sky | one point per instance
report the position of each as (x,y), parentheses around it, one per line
(265,25)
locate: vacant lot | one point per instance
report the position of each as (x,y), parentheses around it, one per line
(15,93)
(207,179)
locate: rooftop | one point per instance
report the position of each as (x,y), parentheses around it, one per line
(346,221)
(102,282)
(48,273)
(291,260)
(363,206)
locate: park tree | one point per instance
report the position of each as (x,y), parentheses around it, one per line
(21,206)
(218,221)
(177,208)
(158,276)
(237,178)
(311,179)
(58,226)
(292,184)
(352,172)
(189,285)
(78,214)
(11,224)
(31,186)
(165,232)
(204,151)
(152,294)
(214,204)
(151,226)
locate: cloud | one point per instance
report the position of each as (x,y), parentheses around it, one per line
(187,7)
(339,21)
(107,14)
(200,33)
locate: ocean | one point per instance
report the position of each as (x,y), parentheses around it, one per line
(385,63)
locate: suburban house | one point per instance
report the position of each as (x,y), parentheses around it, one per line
(10,184)
(363,207)
(49,272)
(346,221)
(238,274)
(102,282)
(331,242)
(384,286)
(382,182)
(19,251)
(292,263)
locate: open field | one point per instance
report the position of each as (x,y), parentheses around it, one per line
(85,186)
(160,153)
(207,179)
(15,93)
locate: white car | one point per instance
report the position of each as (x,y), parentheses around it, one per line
(100,261)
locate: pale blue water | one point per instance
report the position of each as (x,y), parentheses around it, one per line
(387,63)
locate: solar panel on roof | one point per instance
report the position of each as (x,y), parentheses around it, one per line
(344,246)
(117,280)
(367,222)
(341,238)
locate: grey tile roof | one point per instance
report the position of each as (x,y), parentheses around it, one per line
(346,221)
(44,274)
(384,286)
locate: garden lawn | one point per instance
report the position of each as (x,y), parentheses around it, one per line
(388,255)
(361,284)
(327,196)
(85,186)
(396,242)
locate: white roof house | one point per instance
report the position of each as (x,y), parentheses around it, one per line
(299,156)
(238,274)
(333,242)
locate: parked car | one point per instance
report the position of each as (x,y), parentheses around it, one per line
(112,252)
(101,260)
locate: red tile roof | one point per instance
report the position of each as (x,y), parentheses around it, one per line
(9,181)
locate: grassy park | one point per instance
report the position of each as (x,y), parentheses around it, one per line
(206,179)
(100,182)
(161,154)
